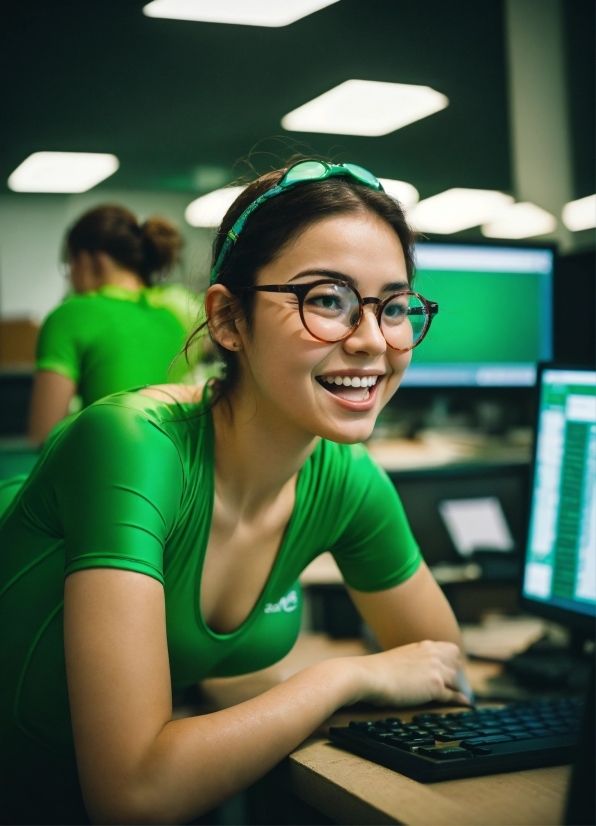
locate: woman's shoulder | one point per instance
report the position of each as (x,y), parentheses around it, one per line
(178,300)
(130,410)
(174,394)
(70,308)
(154,419)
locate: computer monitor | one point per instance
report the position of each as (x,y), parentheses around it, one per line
(559,580)
(495,315)
(455,512)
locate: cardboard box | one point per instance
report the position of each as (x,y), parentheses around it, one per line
(18,338)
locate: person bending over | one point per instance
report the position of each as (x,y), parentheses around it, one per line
(119,329)
(145,548)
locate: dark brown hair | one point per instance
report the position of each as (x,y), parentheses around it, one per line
(278,222)
(147,249)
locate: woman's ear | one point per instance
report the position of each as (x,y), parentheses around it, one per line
(222,311)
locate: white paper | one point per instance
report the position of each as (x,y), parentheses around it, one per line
(476,523)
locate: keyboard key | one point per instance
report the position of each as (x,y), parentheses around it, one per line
(360,726)
(444,753)
(443,736)
(485,741)
(381,735)
(411,745)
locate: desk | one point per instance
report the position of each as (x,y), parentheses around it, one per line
(351,790)
(436,449)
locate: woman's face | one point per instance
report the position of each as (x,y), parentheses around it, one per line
(291,373)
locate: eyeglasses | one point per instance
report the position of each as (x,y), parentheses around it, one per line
(302,172)
(332,310)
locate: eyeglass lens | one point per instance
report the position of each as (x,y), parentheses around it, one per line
(331,311)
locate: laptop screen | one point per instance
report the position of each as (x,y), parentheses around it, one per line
(560,564)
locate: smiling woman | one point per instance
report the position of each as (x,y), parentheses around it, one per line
(172,553)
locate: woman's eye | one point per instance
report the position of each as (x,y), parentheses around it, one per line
(324,302)
(395,311)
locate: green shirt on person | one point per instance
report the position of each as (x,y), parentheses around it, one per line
(115,339)
(128,483)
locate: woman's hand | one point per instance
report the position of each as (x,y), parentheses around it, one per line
(412,675)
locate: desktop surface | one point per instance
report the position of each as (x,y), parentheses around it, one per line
(349,789)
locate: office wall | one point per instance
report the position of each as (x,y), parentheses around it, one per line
(32,228)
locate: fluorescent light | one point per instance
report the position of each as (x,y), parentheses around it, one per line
(457,209)
(405,193)
(365,107)
(209,210)
(240,12)
(580,214)
(62,171)
(522,220)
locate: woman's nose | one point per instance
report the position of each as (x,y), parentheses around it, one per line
(367,337)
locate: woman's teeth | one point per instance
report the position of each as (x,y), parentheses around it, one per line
(355,388)
(351,381)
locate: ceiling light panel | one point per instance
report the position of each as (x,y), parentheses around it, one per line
(580,214)
(209,210)
(405,193)
(458,209)
(523,220)
(365,107)
(62,171)
(240,12)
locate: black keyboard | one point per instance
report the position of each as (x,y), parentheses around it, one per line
(469,743)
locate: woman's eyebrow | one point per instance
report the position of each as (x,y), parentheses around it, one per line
(392,286)
(338,276)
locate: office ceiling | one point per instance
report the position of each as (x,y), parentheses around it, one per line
(180,102)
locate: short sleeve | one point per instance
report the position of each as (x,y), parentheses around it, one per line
(118,483)
(57,348)
(376,548)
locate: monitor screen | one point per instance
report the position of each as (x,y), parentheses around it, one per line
(495,316)
(560,566)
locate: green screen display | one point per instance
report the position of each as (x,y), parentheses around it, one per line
(494,320)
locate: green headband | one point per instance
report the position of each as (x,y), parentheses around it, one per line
(301,173)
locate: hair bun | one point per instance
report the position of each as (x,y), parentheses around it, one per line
(162,243)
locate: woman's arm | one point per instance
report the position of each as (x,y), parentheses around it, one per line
(137,765)
(412,611)
(52,393)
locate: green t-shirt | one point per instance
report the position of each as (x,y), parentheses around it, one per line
(115,339)
(129,484)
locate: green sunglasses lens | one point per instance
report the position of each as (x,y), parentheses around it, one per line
(305,171)
(362,174)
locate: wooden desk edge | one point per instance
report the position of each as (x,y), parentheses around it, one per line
(352,790)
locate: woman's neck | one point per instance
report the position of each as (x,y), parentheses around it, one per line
(256,453)
(125,279)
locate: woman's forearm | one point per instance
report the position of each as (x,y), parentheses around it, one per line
(196,763)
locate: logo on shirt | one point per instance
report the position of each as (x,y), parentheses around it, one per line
(288,604)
